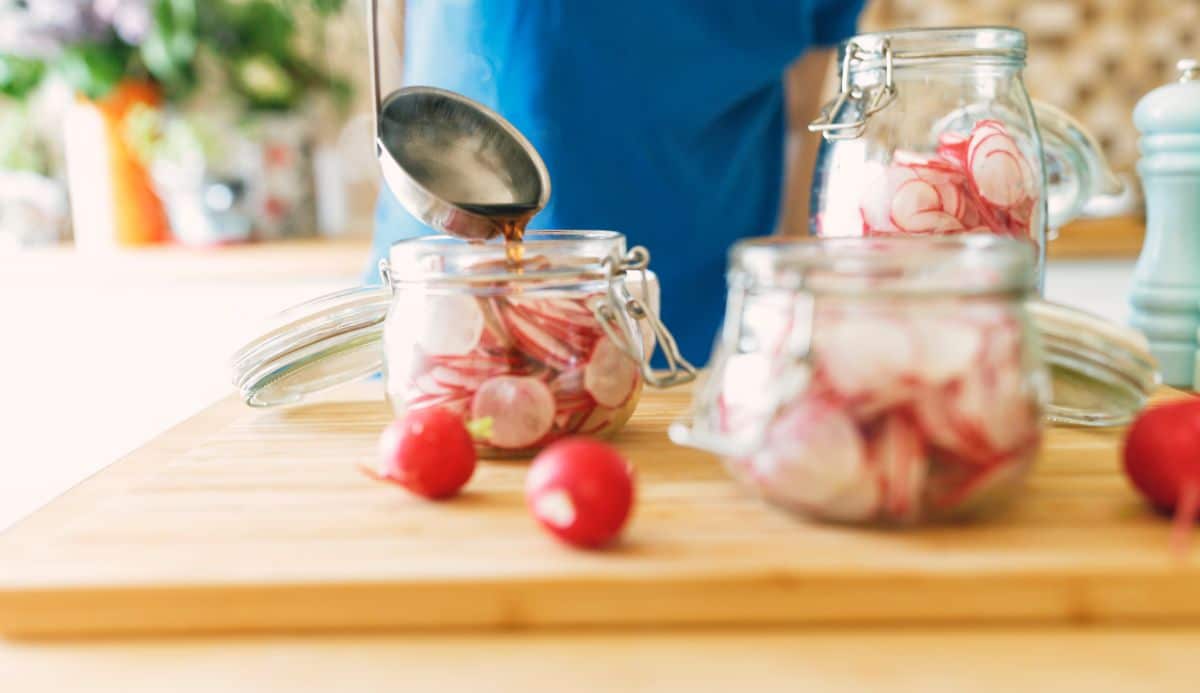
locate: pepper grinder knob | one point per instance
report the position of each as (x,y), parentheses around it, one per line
(1166,284)
(1189,69)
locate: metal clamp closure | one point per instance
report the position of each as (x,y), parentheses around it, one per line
(868,101)
(622,309)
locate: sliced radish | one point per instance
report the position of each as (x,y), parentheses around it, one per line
(952,147)
(996,165)
(997,177)
(496,335)
(458,404)
(913,197)
(597,422)
(610,376)
(538,343)
(898,454)
(858,502)
(456,379)
(947,348)
(448,324)
(930,222)
(745,381)
(865,355)
(876,204)
(932,408)
(521,410)
(812,453)
(957,489)
(429,385)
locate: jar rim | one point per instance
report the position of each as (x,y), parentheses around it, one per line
(569,254)
(935,266)
(931,44)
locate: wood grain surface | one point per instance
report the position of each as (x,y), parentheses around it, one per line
(244,520)
(1094,239)
(924,660)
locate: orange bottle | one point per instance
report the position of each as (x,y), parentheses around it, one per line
(113,200)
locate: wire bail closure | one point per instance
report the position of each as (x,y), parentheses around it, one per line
(619,306)
(869,102)
(622,308)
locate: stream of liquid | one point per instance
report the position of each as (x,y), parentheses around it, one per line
(510,221)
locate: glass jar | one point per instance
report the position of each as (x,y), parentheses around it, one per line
(556,346)
(932,132)
(895,380)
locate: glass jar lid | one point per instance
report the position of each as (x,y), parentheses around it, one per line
(338,337)
(313,346)
(1102,372)
(923,45)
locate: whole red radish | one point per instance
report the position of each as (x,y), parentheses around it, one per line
(581,490)
(428,452)
(1162,459)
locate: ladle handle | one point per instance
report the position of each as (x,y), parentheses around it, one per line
(373,56)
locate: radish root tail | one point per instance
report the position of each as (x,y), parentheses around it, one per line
(1185,519)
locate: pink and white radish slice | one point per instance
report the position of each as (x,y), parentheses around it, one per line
(540,344)
(996,166)
(865,356)
(973,183)
(857,502)
(812,453)
(947,348)
(899,455)
(745,382)
(448,324)
(610,376)
(521,409)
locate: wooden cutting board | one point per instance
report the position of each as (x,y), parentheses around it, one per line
(245,519)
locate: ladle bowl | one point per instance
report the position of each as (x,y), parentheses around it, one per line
(453,163)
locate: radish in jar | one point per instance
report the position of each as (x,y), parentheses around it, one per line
(899,455)
(865,356)
(812,453)
(972,183)
(521,410)
(448,324)
(610,376)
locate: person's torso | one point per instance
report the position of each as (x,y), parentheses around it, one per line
(663,120)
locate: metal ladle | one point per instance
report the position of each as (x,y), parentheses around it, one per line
(455,164)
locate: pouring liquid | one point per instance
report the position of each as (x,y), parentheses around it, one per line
(509,220)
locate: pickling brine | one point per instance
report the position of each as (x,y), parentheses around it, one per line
(537,366)
(877,381)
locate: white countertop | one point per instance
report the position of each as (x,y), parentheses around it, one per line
(100,354)
(94,364)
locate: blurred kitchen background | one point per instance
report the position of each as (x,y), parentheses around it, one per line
(138,122)
(173,171)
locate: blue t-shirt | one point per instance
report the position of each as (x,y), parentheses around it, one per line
(662,119)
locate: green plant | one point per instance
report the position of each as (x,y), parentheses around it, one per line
(255,44)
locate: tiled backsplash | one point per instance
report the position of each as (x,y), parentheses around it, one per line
(1094,58)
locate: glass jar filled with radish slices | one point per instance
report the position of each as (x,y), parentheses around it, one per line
(933,133)
(527,350)
(881,381)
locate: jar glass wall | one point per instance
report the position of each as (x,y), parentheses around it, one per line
(886,381)
(528,353)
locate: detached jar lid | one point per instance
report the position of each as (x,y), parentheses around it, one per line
(1102,372)
(313,346)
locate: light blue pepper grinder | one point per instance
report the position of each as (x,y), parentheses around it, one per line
(1166,281)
